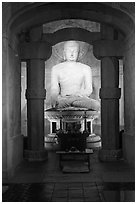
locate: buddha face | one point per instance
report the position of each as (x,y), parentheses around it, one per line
(71,51)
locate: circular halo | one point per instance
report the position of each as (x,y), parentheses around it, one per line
(58,49)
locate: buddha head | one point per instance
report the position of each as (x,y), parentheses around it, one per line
(71,51)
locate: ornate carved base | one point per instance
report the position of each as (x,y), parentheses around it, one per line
(110,155)
(94,141)
(31,155)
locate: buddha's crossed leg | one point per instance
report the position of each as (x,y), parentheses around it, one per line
(77,101)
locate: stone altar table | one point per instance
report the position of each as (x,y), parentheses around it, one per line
(74,161)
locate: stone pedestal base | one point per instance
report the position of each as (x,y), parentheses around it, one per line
(35,155)
(94,141)
(110,155)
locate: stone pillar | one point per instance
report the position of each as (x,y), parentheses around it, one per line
(36,53)
(85,121)
(50,127)
(109,94)
(109,52)
(82,125)
(91,126)
(58,124)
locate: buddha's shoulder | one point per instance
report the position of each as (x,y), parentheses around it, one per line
(63,65)
(58,66)
(84,66)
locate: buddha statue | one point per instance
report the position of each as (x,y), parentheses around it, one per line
(71,81)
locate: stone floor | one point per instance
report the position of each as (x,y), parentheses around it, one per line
(44,181)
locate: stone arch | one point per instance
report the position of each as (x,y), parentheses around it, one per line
(36,14)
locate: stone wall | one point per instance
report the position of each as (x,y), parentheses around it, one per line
(11,108)
(129,96)
(12,143)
